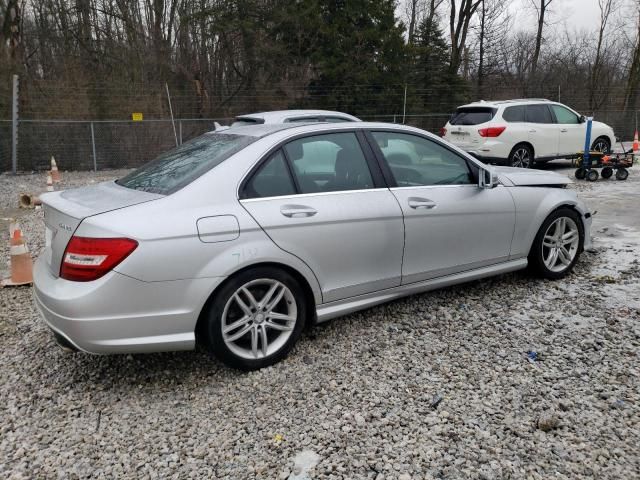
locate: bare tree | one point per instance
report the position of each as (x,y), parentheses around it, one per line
(459,19)
(607,8)
(541,9)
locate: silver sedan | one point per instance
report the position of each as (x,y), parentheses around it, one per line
(237,240)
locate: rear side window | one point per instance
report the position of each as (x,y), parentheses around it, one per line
(472,115)
(302,120)
(245,121)
(337,119)
(178,167)
(514,114)
(329,163)
(271,180)
(538,114)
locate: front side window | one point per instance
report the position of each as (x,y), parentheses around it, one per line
(565,116)
(330,162)
(416,161)
(271,180)
(178,167)
(538,114)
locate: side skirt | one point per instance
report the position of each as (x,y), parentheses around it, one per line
(327,311)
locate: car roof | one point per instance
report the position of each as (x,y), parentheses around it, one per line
(498,103)
(280,115)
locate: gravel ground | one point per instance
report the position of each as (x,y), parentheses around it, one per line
(435,386)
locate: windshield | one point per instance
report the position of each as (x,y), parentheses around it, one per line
(472,116)
(178,167)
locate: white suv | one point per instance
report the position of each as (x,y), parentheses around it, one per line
(519,132)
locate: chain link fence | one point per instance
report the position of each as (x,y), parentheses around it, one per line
(88,145)
(99,145)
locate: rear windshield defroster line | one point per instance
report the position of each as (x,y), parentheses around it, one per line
(177,168)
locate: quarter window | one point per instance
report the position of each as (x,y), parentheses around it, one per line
(271,180)
(538,114)
(417,161)
(514,114)
(326,163)
(565,116)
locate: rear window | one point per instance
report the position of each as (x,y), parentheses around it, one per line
(472,116)
(179,167)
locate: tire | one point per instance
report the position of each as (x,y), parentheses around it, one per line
(592,175)
(581,173)
(622,174)
(601,144)
(521,156)
(606,172)
(541,255)
(247,351)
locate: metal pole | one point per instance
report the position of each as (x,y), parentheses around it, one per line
(404,106)
(558,93)
(180,130)
(173,123)
(14,127)
(93,146)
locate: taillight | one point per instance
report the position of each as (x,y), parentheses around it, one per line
(491,131)
(87,259)
(443,131)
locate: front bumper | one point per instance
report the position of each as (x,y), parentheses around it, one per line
(119,314)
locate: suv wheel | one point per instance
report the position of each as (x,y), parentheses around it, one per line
(601,144)
(255,319)
(521,156)
(558,244)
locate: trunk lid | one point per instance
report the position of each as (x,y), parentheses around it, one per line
(65,210)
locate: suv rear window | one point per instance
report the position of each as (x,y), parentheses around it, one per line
(179,167)
(472,115)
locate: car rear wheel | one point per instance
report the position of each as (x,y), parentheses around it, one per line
(521,156)
(558,244)
(255,319)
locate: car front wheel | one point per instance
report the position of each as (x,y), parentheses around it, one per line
(255,319)
(558,244)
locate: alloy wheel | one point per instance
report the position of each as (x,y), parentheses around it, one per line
(601,146)
(521,158)
(560,244)
(259,318)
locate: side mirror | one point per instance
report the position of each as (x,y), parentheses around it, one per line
(487,178)
(583,119)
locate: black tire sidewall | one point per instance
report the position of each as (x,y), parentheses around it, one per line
(606,172)
(602,139)
(212,328)
(536,260)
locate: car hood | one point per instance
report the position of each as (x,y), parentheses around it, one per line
(528,177)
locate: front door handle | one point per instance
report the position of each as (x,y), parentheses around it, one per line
(563,130)
(297,211)
(425,203)
(532,131)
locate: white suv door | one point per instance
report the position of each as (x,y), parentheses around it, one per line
(571,131)
(543,133)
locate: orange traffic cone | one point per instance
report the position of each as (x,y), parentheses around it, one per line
(55,174)
(21,264)
(636,145)
(49,183)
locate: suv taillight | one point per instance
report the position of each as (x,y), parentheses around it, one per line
(443,131)
(87,259)
(491,131)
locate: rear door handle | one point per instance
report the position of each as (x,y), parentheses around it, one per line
(297,211)
(563,130)
(532,131)
(425,203)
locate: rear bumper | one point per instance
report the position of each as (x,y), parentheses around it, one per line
(119,314)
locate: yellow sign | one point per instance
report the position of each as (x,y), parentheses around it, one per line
(136,117)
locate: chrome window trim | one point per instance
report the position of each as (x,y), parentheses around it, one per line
(313,194)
